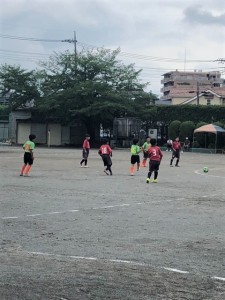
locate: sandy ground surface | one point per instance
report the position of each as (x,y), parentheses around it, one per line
(74,233)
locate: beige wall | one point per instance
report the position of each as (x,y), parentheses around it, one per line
(177,101)
(23,132)
(202,101)
(55,131)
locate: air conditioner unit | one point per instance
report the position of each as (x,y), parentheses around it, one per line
(152,133)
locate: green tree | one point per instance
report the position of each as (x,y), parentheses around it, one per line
(186,130)
(18,84)
(174,129)
(94,88)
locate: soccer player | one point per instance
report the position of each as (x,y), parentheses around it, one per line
(155,156)
(106,152)
(85,152)
(186,145)
(28,158)
(169,144)
(135,157)
(145,148)
(176,147)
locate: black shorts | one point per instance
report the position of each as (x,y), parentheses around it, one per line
(85,153)
(176,153)
(106,160)
(28,159)
(135,159)
(154,165)
(145,154)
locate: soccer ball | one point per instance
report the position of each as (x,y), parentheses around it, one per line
(205,170)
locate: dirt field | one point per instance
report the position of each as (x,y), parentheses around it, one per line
(73,233)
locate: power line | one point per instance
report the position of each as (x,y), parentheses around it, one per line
(23,52)
(11,37)
(146,57)
(122,53)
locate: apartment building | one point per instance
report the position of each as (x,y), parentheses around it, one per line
(179,87)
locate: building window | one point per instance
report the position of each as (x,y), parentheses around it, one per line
(208,101)
(223,101)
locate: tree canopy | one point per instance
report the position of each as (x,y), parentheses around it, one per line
(94,87)
(18,85)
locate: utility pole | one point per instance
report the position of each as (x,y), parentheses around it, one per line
(197,93)
(75,50)
(74,41)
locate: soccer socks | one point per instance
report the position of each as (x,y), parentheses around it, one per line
(132,170)
(155,175)
(144,163)
(177,162)
(149,174)
(27,170)
(22,169)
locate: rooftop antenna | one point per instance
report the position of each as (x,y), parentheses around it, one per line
(184,59)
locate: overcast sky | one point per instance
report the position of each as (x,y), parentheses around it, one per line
(161,34)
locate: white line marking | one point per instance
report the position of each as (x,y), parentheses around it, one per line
(34,215)
(93,208)
(207,174)
(133,263)
(121,261)
(63,256)
(176,270)
(218,278)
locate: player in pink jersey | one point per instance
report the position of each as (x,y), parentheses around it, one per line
(85,151)
(155,157)
(176,147)
(106,152)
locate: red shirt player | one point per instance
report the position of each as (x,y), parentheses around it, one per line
(155,156)
(106,152)
(176,146)
(85,152)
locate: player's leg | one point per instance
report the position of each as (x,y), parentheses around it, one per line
(86,158)
(132,161)
(29,164)
(150,171)
(156,171)
(138,162)
(171,161)
(178,158)
(25,162)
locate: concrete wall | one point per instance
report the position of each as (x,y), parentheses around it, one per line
(14,117)
(4,130)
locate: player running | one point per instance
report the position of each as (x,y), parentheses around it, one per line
(135,157)
(145,148)
(155,156)
(106,152)
(176,147)
(28,156)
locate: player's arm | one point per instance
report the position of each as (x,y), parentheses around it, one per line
(161,154)
(110,150)
(100,151)
(84,146)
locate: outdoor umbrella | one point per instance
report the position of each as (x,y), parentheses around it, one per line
(211,128)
